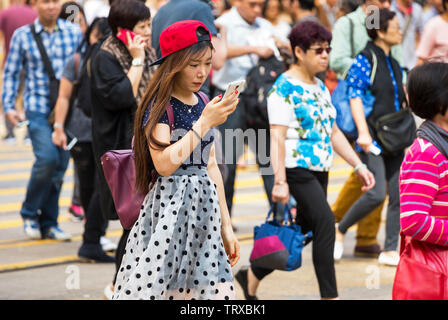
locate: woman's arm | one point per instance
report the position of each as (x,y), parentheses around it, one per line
(136,48)
(364,139)
(230,242)
(168,159)
(111,83)
(358,79)
(220,44)
(345,150)
(280,192)
(61,109)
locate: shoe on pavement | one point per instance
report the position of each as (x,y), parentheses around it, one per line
(390,258)
(107,244)
(241,277)
(32,229)
(109,291)
(338,250)
(92,252)
(369,251)
(57,234)
(76,213)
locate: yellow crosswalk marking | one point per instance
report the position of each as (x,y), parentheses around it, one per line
(18,191)
(24,175)
(31,243)
(36,263)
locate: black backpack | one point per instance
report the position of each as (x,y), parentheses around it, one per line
(259,82)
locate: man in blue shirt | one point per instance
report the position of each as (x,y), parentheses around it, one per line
(60,39)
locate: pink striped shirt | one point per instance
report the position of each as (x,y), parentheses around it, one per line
(424,194)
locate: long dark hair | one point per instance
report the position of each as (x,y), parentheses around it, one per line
(157,97)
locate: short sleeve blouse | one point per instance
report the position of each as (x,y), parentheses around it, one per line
(185,117)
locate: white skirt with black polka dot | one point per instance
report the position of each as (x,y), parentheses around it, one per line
(175,249)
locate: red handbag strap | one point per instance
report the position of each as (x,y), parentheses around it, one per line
(204,97)
(170,113)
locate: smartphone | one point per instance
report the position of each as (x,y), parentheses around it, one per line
(122,35)
(374,148)
(73,140)
(22,124)
(233,86)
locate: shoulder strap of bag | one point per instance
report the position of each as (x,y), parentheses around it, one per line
(352,46)
(170,113)
(77,62)
(374,67)
(43,53)
(408,24)
(204,97)
(352,40)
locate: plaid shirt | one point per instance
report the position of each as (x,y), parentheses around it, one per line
(24,55)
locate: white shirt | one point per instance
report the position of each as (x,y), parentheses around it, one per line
(307,111)
(240,33)
(95,8)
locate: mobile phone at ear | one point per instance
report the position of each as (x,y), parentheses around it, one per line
(122,35)
(234,86)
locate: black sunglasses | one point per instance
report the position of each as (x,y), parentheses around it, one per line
(320,50)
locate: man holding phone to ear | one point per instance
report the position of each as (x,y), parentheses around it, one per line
(249,37)
(60,39)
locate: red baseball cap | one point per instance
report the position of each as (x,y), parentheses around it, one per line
(181,35)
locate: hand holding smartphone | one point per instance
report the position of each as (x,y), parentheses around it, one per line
(238,85)
(123,36)
(72,142)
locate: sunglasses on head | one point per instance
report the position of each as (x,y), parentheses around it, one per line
(320,50)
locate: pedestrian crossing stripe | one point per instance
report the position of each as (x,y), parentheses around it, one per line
(238,199)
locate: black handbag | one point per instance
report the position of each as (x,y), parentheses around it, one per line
(396,131)
(54,82)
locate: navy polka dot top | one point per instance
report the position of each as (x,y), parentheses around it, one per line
(185,117)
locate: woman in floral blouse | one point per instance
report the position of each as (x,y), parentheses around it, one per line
(303,135)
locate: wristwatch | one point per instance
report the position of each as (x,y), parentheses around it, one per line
(58,125)
(137,62)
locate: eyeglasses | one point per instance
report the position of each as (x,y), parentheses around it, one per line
(320,50)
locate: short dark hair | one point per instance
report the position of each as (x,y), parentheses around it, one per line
(350,5)
(307,33)
(428,89)
(385,16)
(65,14)
(126,14)
(307,4)
(444,4)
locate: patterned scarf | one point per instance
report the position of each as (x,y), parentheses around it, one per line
(117,48)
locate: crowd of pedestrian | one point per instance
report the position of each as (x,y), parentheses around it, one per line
(91,76)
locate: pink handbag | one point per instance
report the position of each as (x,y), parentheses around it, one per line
(119,171)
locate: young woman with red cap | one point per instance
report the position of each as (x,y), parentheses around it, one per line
(182,245)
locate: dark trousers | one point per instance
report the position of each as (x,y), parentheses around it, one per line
(96,224)
(120,252)
(386,170)
(309,188)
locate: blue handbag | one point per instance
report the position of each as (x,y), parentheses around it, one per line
(340,100)
(279,246)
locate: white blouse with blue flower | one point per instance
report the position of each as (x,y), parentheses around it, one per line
(307,111)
